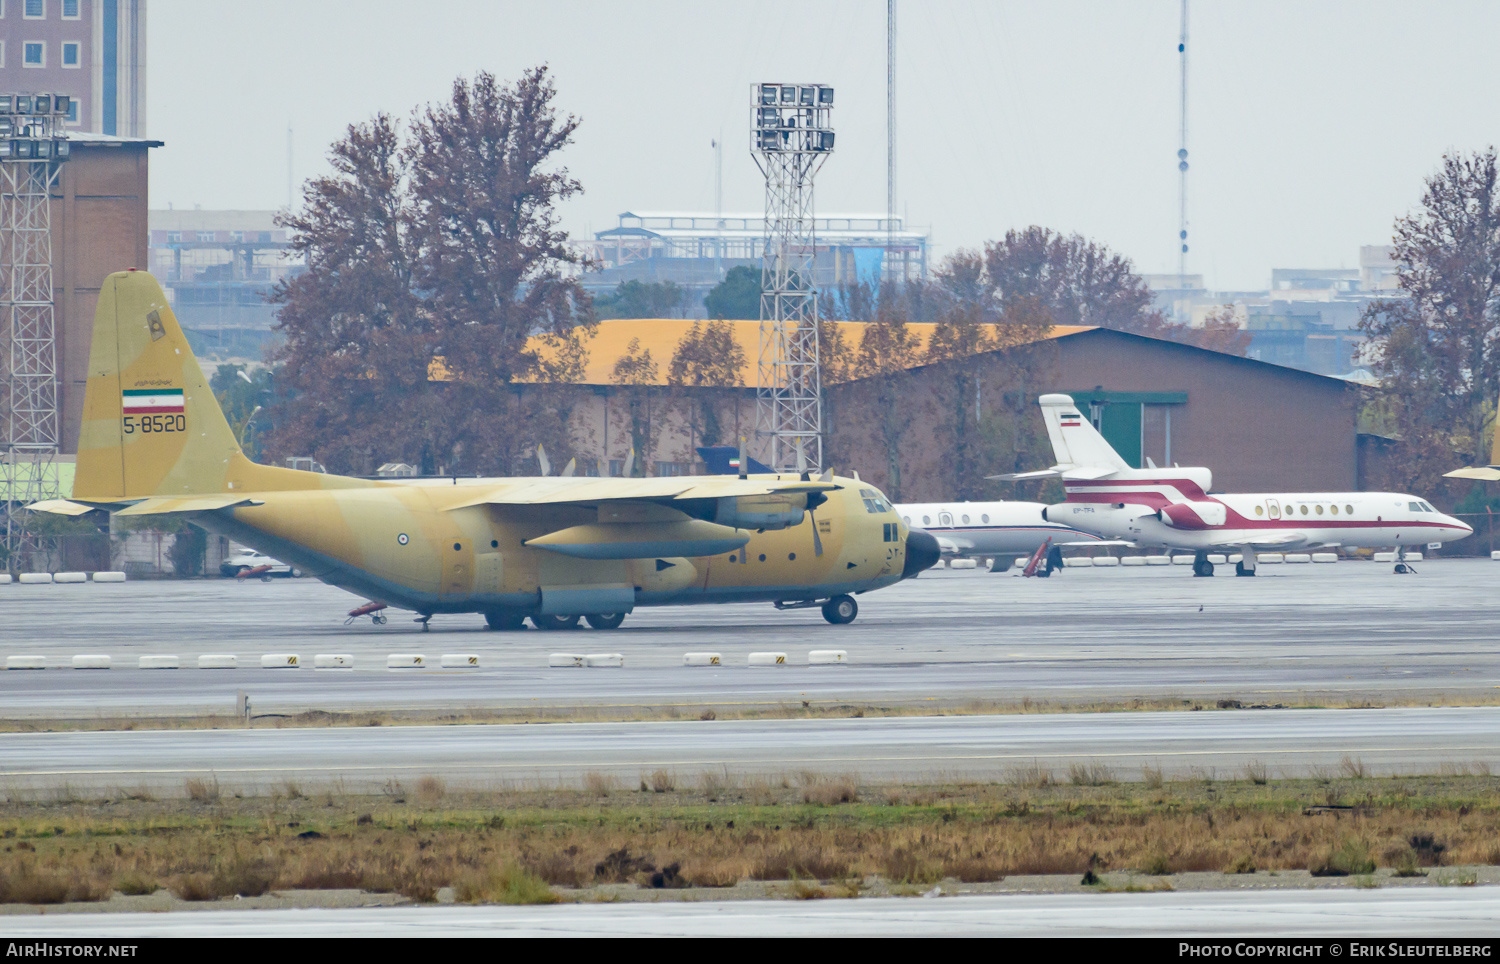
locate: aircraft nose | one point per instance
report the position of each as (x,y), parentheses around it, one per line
(922,552)
(1460,530)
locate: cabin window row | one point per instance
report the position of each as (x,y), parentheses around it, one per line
(947,520)
(1305,510)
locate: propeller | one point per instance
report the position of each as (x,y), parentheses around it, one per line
(568,469)
(815,499)
(744,462)
(542,460)
(629,463)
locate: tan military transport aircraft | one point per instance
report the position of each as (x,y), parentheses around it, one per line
(154,442)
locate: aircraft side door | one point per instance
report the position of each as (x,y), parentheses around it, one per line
(945,519)
(1273,508)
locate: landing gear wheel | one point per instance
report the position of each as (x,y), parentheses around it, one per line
(1402,569)
(605,620)
(554,622)
(1240,570)
(840,610)
(1203,568)
(378,619)
(505,622)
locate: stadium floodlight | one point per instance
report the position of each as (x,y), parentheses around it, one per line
(23,103)
(62,104)
(7,127)
(825,96)
(769,93)
(806,96)
(62,149)
(788,96)
(43,104)
(6,148)
(7,103)
(827,142)
(768,117)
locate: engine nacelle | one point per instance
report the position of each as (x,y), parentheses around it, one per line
(761,511)
(1194,515)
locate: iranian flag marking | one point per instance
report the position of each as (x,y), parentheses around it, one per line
(152,401)
(1070,420)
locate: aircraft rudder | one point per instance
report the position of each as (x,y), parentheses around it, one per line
(151,424)
(1075,441)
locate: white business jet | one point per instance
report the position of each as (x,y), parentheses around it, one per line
(1172,507)
(999,531)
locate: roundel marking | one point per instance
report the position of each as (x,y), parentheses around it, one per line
(402,538)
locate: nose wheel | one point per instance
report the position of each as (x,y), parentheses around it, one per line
(840,610)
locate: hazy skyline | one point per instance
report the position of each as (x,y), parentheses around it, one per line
(1311,126)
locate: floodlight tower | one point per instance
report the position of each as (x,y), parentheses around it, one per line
(32,151)
(791,135)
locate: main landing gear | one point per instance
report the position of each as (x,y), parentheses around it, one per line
(1246,565)
(1201,565)
(510,621)
(840,610)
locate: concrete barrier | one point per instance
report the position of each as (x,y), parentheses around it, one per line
(280,661)
(565,659)
(109,577)
(70,577)
(1133,560)
(4,579)
(963,564)
(1074,562)
(158,661)
(1495,554)
(1384,557)
(604,659)
(1298,557)
(1158,560)
(1412,557)
(1106,561)
(459,661)
(406,661)
(91,661)
(1325,557)
(821,656)
(1217,559)
(333,661)
(35,578)
(767,659)
(1235,557)
(218,661)
(25,662)
(1269,558)
(702,659)
(1182,560)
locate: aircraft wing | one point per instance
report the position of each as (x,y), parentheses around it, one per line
(1059,472)
(557,491)
(1485,473)
(1283,540)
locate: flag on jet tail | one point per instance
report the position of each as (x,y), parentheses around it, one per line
(152,401)
(1071,419)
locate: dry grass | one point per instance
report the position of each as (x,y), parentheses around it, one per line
(660,781)
(1255,772)
(202,791)
(824,833)
(430,790)
(1029,775)
(599,784)
(1090,774)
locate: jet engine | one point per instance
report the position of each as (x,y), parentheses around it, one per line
(1193,515)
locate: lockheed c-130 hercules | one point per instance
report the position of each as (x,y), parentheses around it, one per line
(155,442)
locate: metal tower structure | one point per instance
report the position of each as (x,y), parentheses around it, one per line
(32,151)
(791,136)
(890,136)
(1182,154)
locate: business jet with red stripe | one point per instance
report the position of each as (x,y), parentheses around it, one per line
(1173,508)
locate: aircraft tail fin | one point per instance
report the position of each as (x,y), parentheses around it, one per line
(1075,441)
(151,424)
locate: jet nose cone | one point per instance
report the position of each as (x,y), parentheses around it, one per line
(922,552)
(1460,530)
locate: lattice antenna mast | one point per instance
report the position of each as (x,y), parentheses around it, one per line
(791,136)
(32,151)
(1182,156)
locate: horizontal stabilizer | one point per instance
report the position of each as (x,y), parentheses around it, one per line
(61,507)
(1024,476)
(1059,472)
(192,503)
(1485,473)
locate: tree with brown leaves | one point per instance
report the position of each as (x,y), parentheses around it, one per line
(1436,350)
(707,359)
(637,373)
(442,246)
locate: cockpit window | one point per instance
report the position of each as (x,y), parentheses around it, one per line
(874,502)
(1427,508)
(1414,506)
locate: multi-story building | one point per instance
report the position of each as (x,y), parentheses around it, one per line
(218,267)
(694,250)
(92,50)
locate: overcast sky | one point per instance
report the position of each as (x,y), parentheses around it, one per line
(1311,125)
